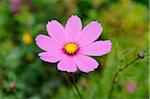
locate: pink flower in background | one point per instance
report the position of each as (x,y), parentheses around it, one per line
(71,45)
(132,87)
(15,5)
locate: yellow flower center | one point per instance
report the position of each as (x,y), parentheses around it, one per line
(71,48)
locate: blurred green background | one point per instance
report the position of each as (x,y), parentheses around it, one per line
(24,76)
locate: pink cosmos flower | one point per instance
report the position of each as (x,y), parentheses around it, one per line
(71,45)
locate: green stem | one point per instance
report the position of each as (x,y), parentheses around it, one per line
(68,80)
(75,85)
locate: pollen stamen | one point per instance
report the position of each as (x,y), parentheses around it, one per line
(71,48)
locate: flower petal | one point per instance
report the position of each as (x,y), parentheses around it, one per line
(46,43)
(73,27)
(51,57)
(86,64)
(97,48)
(56,31)
(90,33)
(67,64)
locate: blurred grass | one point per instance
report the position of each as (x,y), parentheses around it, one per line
(125,22)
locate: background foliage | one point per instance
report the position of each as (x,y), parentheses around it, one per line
(24,76)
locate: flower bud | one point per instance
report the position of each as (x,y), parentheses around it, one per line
(141,54)
(132,87)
